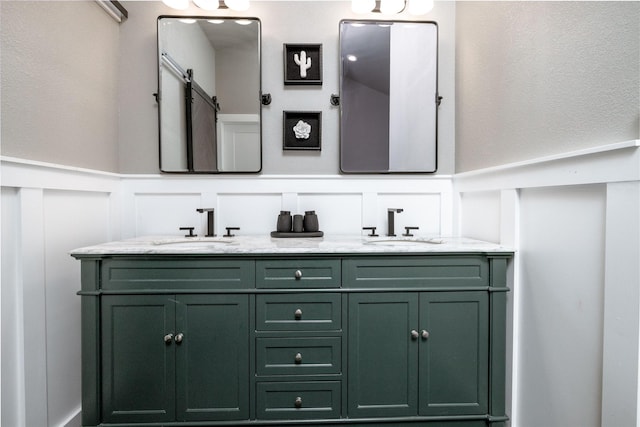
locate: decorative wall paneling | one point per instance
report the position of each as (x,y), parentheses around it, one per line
(575,300)
(47,210)
(161,204)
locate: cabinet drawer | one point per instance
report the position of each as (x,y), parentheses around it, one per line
(298,273)
(298,356)
(298,312)
(410,272)
(177,275)
(298,400)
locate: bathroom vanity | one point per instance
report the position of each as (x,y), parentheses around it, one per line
(260,331)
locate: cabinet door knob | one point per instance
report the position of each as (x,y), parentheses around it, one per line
(179,338)
(414,334)
(298,314)
(298,402)
(298,274)
(425,334)
(298,358)
(168,338)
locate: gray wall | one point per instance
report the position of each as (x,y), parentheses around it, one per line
(282,22)
(59,80)
(539,78)
(77,87)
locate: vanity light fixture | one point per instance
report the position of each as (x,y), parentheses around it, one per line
(237,5)
(392,7)
(207,4)
(363,6)
(177,4)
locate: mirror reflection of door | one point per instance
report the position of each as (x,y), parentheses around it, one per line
(388,96)
(209,94)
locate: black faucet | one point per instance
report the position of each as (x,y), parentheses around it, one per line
(210,227)
(391,222)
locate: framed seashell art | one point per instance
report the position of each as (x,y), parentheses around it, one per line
(302,130)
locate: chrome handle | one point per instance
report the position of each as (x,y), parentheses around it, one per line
(298,274)
(298,314)
(414,334)
(179,338)
(298,402)
(168,338)
(425,334)
(298,358)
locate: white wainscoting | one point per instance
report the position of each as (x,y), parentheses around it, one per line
(48,210)
(574,219)
(574,326)
(162,204)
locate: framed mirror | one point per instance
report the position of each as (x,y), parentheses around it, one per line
(209,94)
(388,96)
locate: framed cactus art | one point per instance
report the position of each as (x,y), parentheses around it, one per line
(302,64)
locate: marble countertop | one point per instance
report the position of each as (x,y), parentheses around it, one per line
(247,245)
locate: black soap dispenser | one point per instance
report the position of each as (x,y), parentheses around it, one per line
(284,222)
(311,221)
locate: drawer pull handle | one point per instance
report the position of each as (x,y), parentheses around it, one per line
(414,334)
(298,314)
(179,338)
(425,334)
(298,358)
(168,338)
(298,402)
(298,274)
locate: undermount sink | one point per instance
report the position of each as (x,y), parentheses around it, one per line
(405,241)
(193,241)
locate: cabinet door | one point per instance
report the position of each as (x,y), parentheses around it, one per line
(454,358)
(212,357)
(138,378)
(383,356)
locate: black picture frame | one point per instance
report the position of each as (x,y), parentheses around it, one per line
(290,120)
(292,71)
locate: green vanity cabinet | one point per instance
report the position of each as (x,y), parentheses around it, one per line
(432,346)
(175,357)
(354,339)
(138,367)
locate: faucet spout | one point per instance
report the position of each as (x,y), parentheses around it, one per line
(391,220)
(210,226)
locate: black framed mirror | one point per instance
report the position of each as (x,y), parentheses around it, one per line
(209,94)
(388,96)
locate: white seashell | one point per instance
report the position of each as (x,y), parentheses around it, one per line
(302,130)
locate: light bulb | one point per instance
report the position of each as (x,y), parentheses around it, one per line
(420,7)
(177,4)
(390,7)
(238,5)
(363,6)
(207,4)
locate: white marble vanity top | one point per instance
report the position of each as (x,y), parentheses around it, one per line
(269,245)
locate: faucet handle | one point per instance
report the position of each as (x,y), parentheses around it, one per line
(190,231)
(229,231)
(373,231)
(408,229)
